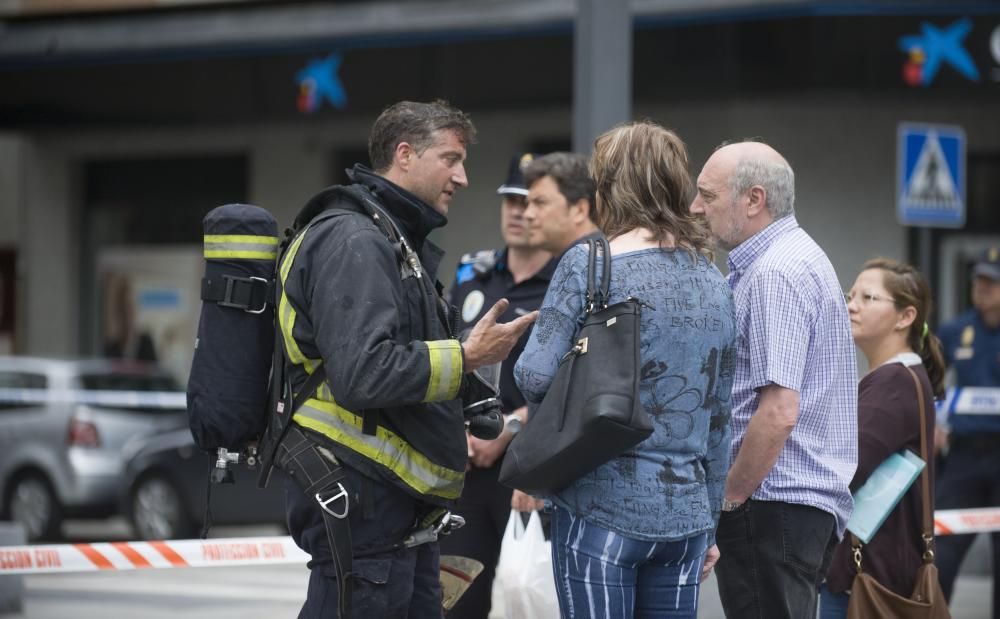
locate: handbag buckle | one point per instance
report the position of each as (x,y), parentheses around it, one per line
(929,548)
(579,349)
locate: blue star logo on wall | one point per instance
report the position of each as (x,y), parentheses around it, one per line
(932,47)
(319,81)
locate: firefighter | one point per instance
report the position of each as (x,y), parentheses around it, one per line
(360,303)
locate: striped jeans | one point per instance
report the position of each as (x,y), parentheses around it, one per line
(600,573)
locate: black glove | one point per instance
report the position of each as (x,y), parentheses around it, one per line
(481,404)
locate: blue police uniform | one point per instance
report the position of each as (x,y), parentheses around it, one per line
(970,476)
(481,280)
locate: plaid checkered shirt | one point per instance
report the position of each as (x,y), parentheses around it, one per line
(793,331)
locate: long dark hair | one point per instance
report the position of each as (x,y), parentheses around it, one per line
(909,288)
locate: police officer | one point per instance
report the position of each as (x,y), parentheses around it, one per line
(518,272)
(971,471)
(360,304)
(559,214)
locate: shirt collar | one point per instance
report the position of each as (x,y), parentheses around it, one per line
(545,273)
(743,255)
(906,358)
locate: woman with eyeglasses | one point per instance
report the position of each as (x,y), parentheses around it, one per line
(888,306)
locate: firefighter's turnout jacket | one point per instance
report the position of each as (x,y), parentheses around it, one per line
(388,407)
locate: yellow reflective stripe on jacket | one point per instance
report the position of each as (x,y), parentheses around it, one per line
(286,313)
(446,370)
(241,247)
(385,448)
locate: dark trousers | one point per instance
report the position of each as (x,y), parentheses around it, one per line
(485,505)
(398,584)
(774,557)
(970,478)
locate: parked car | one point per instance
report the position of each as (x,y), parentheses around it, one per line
(166,487)
(66,429)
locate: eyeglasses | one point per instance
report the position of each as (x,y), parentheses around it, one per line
(867,298)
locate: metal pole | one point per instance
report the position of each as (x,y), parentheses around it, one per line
(602,59)
(925,256)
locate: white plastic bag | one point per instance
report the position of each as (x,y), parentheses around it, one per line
(525,570)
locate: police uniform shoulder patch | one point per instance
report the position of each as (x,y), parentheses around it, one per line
(476,263)
(464,273)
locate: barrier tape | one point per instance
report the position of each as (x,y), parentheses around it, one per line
(150,555)
(280,550)
(969,401)
(959,521)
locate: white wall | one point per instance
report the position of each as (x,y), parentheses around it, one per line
(843,151)
(842,148)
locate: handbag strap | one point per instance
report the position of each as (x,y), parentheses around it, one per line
(597,295)
(927,518)
(925,476)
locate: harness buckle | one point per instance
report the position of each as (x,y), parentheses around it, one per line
(448,523)
(254,283)
(324,503)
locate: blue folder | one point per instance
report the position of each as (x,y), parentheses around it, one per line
(881,493)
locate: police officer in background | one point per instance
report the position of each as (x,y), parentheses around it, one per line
(971,470)
(359,304)
(520,273)
(560,214)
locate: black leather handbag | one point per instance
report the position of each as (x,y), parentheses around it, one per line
(591,412)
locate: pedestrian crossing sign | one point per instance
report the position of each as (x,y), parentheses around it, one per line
(931,179)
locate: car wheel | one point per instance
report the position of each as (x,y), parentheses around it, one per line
(33,503)
(158,511)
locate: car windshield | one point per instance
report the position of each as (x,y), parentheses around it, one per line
(128,382)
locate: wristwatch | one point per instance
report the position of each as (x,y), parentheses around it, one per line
(730,506)
(512,423)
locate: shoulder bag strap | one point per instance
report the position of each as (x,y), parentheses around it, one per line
(925,476)
(605,269)
(597,294)
(592,299)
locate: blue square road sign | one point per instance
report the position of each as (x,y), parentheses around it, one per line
(931,175)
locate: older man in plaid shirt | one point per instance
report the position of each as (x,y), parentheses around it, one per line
(794,417)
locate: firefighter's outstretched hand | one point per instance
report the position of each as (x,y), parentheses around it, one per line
(489,341)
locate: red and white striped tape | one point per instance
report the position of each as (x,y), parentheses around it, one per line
(958,521)
(145,555)
(282,550)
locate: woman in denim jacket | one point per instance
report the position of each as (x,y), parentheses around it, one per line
(630,537)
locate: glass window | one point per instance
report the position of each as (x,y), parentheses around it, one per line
(128,382)
(22,380)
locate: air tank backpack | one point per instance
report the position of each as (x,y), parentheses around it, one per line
(239,401)
(228,385)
